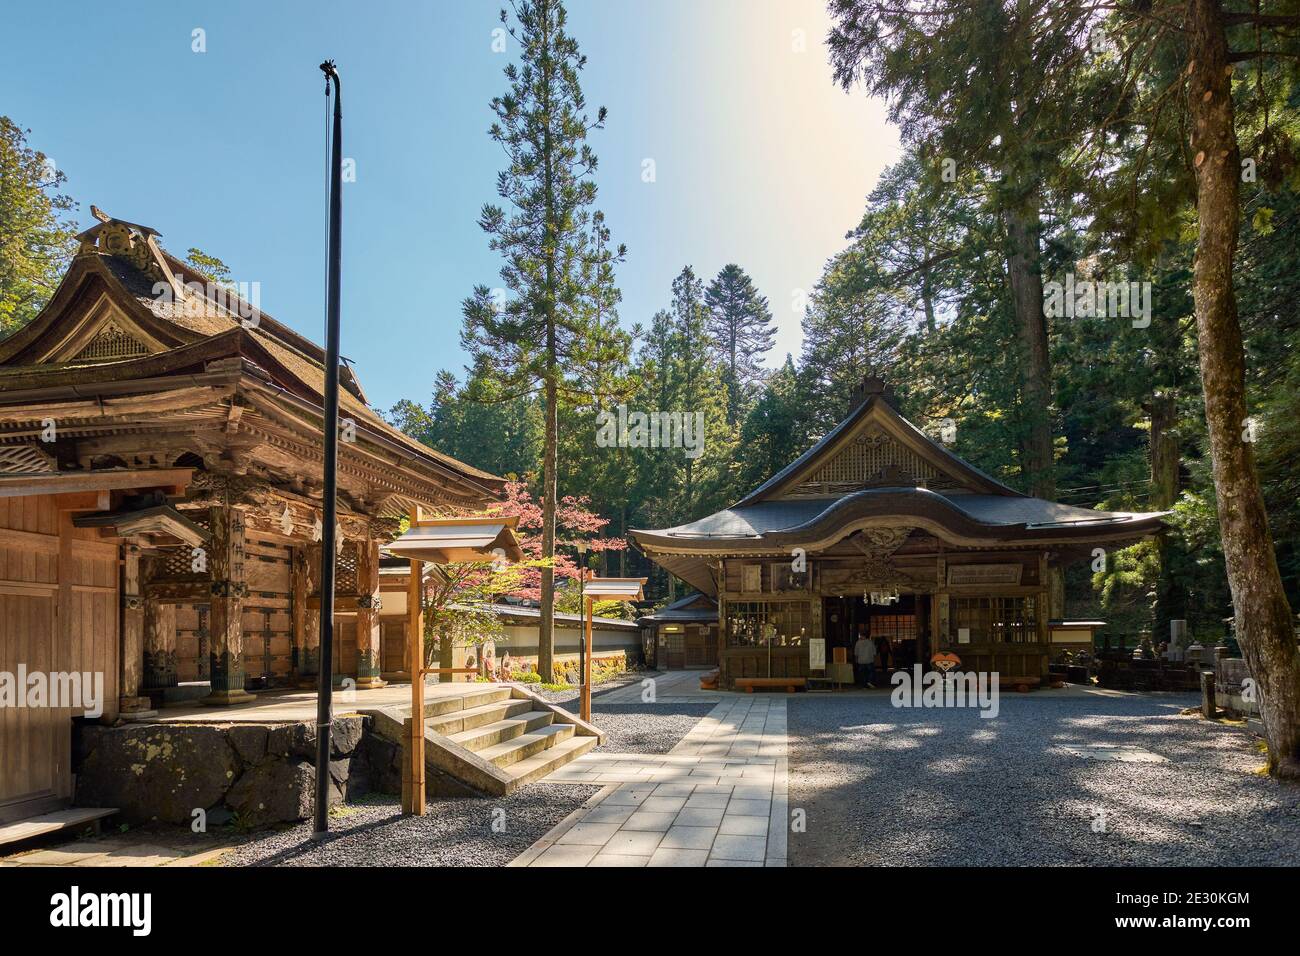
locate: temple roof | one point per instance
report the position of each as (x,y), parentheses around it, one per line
(128,312)
(875,469)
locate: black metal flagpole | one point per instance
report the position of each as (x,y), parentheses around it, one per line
(331,427)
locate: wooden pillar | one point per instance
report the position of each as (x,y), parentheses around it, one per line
(413,753)
(309,646)
(158,621)
(131,666)
(584,708)
(368,661)
(226,560)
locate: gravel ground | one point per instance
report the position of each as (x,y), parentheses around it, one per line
(643,728)
(916,787)
(453,832)
(635,728)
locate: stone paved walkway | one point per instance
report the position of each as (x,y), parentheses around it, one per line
(719,798)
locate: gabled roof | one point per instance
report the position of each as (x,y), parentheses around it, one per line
(875,469)
(127,311)
(697,607)
(913,453)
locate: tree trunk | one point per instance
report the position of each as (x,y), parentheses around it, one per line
(1263,616)
(1024,274)
(546,624)
(927,299)
(1171,599)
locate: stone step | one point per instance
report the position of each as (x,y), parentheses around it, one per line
(437,705)
(468,719)
(540,765)
(67,819)
(524,746)
(499,731)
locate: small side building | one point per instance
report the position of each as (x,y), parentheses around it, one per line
(683,634)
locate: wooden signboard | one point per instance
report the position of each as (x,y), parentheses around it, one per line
(984,574)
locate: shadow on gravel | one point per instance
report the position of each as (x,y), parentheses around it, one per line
(888,786)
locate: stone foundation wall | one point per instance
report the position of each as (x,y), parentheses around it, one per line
(248,774)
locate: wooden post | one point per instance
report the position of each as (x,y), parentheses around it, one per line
(132,659)
(413,759)
(226,561)
(309,651)
(368,662)
(586,663)
(298,610)
(159,654)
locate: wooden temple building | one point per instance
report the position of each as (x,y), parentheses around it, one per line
(879,529)
(160,500)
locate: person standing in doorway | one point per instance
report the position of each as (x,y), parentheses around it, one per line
(864,658)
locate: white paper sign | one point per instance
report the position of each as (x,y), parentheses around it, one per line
(963,635)
(817,654)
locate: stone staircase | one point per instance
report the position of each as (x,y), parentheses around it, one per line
(490,739)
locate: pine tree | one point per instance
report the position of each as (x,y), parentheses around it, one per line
(544,334)
(741,325)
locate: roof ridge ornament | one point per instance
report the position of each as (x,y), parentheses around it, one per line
(131,241)
(871,385)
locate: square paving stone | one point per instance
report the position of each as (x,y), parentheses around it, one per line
(700,817)
(634,842)
(731,847)
(568,855)
(676,857)
(736,825)
(618,859)
(707,801)
(674,790)
(749,808)
(589,834)
(689,838)
(649,820)
(659,804)
(609,813)
(626,798)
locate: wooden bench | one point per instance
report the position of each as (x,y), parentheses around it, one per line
(789,683)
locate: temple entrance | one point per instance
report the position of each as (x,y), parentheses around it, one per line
(899,630)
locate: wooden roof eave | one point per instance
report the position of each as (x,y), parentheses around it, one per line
(438,472)
(26,384)
(936,515)
(171,480)
(46,332)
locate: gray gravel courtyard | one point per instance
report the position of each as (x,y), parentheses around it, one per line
(453,832)
(939,787)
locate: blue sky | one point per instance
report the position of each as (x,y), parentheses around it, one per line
(759,158)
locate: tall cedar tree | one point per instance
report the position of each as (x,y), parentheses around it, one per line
(554,323)
(966,80)
(1186,53)
(741,325)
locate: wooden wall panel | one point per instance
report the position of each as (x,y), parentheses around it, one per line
(268,624)
(59,609)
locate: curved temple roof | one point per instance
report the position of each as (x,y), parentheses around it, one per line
(876,469)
